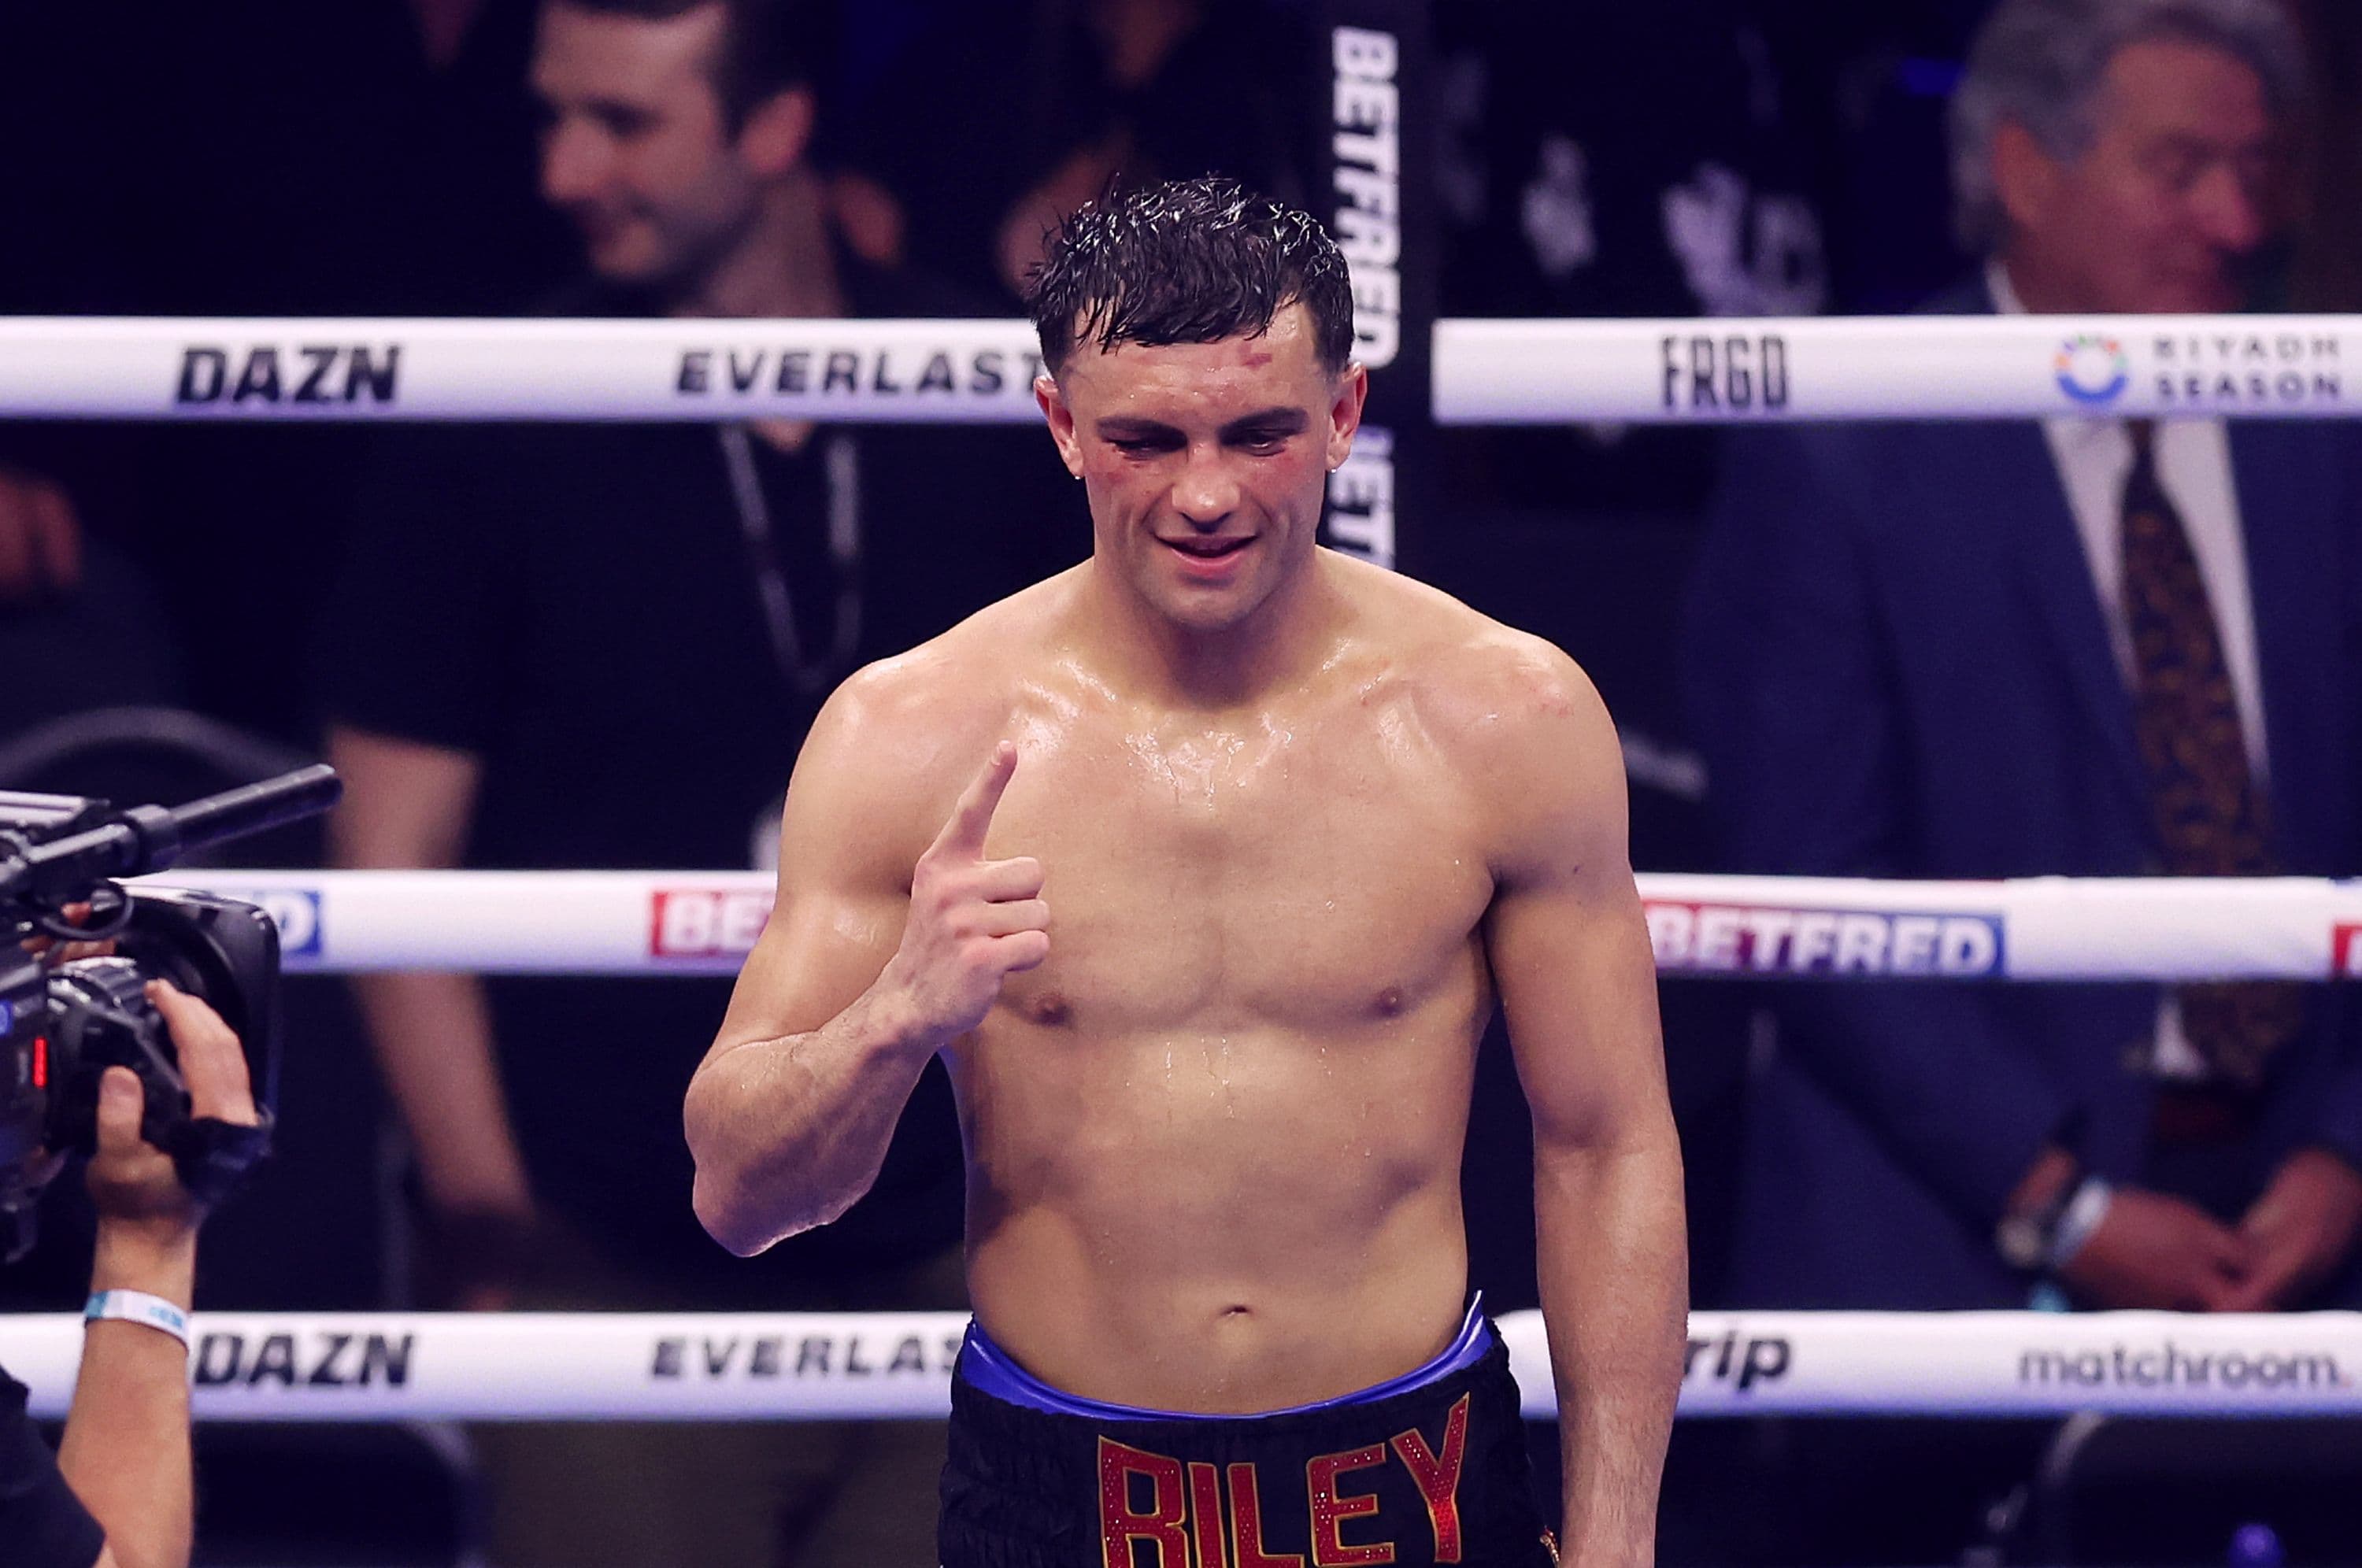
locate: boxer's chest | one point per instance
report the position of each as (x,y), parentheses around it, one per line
(1295,874)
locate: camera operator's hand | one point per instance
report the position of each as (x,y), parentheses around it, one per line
(132,1183)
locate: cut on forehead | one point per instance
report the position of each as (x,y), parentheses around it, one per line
(1279,364)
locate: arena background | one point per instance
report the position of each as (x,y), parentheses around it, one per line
(278,158)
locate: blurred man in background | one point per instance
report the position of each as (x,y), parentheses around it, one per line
(599,645)
(2096,647)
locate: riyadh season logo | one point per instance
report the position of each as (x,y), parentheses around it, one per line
(2092,370)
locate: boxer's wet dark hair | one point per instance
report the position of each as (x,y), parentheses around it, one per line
(1187,261)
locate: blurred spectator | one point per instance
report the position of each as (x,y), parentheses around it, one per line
(1081,91)
(599,645)
(2093,646)
(2089,645)
(266,158)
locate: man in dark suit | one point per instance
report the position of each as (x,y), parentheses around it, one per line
(2088,645)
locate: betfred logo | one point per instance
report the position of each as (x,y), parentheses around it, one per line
(2345,952)
(1747,939)
(707,923)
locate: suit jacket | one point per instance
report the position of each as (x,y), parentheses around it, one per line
(1897,665)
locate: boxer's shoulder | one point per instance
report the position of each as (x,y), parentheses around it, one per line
(958,687)
(1477,682)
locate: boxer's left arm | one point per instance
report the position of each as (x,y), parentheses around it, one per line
(1570,953)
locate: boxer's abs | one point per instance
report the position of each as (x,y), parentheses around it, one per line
(1214,1140)
(1176,1203)
(1240,1221)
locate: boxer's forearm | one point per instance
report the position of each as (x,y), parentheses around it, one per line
(1614,1271)
(788,1133)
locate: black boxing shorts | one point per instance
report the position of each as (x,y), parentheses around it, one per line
(1426,1468)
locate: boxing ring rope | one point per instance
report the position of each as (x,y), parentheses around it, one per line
(368,1367)
(2045,927)
(1485,372)
(822,1366)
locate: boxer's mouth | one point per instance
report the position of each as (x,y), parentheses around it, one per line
(1210,549)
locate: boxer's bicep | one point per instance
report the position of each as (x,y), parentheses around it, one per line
(1566,937)
(846,838)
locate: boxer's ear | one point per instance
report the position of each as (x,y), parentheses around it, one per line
(1052,400)
(1345,412)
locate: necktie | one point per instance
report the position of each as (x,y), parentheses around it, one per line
(2211,819)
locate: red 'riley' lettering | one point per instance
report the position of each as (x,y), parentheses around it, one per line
(1120,1526)
(1439,1478)
(1246,1523)
(1331,1509)
(1177,1509)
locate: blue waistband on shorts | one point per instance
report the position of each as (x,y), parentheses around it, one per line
(990,1370)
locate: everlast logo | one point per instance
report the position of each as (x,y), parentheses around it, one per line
(312,1361)
(304,373)
(1179,1510)
(711,1359)
(1725,372)
(853,372)
(1740,1363)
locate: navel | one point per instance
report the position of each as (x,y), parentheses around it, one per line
(1390,1001)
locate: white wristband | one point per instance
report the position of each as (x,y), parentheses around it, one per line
(139,1307)
(2079,1221)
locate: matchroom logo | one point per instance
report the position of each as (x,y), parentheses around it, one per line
(2345,951)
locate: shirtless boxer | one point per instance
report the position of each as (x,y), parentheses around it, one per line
(1201,865)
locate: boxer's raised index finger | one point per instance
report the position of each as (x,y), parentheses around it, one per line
(972,818)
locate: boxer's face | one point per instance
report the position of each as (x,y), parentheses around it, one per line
(637,149)
(2174,194)
(1206,463)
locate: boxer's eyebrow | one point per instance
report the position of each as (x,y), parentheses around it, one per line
(1266,423)
(1132,427)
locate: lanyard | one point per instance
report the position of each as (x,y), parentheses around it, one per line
(842,473)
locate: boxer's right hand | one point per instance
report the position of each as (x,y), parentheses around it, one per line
(973,922)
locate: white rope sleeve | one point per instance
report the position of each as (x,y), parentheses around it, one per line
(689,923)
(628,1366)
(1678,371)
(1724,371)
(354,368)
